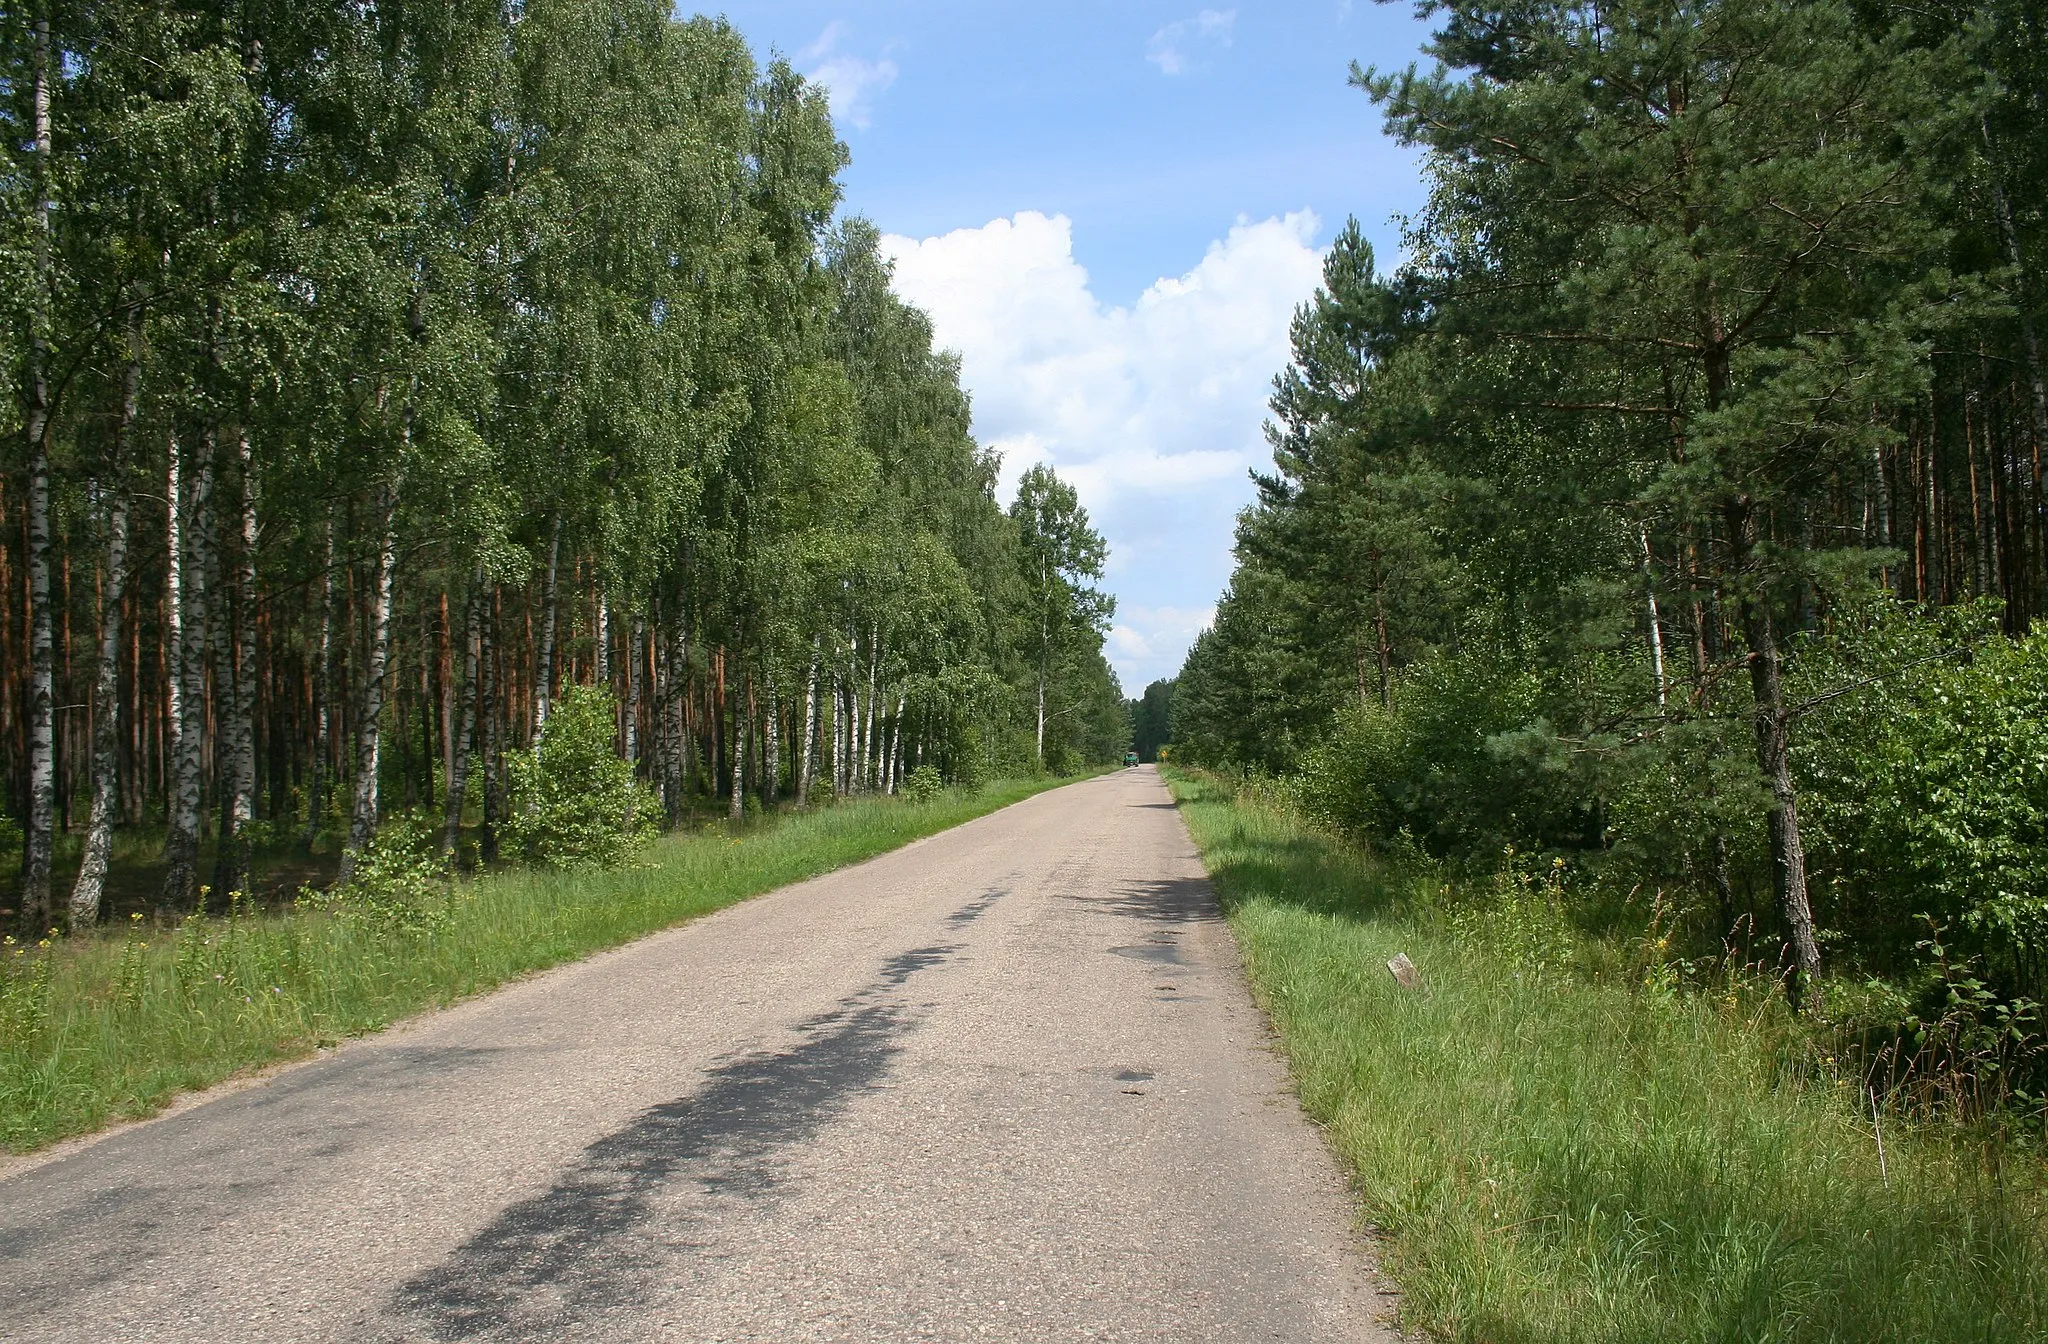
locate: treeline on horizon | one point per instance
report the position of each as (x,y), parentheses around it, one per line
(377,372)
(1676,507)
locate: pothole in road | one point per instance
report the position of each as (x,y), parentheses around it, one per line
(1164,953)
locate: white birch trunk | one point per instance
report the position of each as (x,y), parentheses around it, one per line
(1656,621)
(88,892)
(675,722)
(838,736)
(362,825)
(238,802)
(40,842)
(181,841)
(805,748)
(491,722)
(636,655)
(544,662)
(770,770)
(894,773)
(174,609)
(870,740)
(736,756)
(463,744)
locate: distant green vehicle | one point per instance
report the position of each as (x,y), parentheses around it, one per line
(1130,759)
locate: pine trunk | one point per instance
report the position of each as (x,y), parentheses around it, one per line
(323,697)
(2037,373)
(1773,753)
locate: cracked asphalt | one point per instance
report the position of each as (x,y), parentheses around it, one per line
(1004,1084)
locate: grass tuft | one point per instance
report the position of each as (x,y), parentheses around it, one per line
(1554,1155)
(115,1025)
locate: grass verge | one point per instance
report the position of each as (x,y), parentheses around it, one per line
(1557,1155)
(114,1026)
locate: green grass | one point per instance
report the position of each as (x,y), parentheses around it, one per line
(115,1026)
(1559,1155)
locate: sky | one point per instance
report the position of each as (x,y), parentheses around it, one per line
(1111,211)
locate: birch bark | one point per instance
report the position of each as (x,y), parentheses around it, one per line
(488,706)
(736,753)
(636,644)
(42,696)
(88,891)
(463,739)
(544,662)
(805,747)
(238,799)
(894,773)
(181,843)
(362,825)
(771,746)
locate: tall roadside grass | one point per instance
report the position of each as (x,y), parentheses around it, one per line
(114,1026)
(1558,1153)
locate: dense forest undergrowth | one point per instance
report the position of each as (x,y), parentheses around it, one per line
(1560,1142)
(114,1024)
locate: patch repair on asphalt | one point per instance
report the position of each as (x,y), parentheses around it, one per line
(1163,951)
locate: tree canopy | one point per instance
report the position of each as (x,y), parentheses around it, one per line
(374,372)
(1713,357)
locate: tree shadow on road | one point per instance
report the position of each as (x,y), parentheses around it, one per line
(1166,900)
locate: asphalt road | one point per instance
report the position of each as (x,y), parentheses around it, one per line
(1004,1084)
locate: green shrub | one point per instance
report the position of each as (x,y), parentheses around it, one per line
(922,784)
(1463,762)
(1925,788)
(401,884)
(575,803)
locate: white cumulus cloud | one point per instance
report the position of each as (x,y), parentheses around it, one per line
(854,82)
(1153,410)
(1152,634)
(1180,48)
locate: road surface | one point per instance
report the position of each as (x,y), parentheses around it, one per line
(1003,1084)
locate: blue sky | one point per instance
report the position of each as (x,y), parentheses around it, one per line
(1110,210)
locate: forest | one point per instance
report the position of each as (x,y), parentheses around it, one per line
(1668,525)
(382,379)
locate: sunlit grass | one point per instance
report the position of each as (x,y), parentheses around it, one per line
(116,1025)
(1557,1156)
